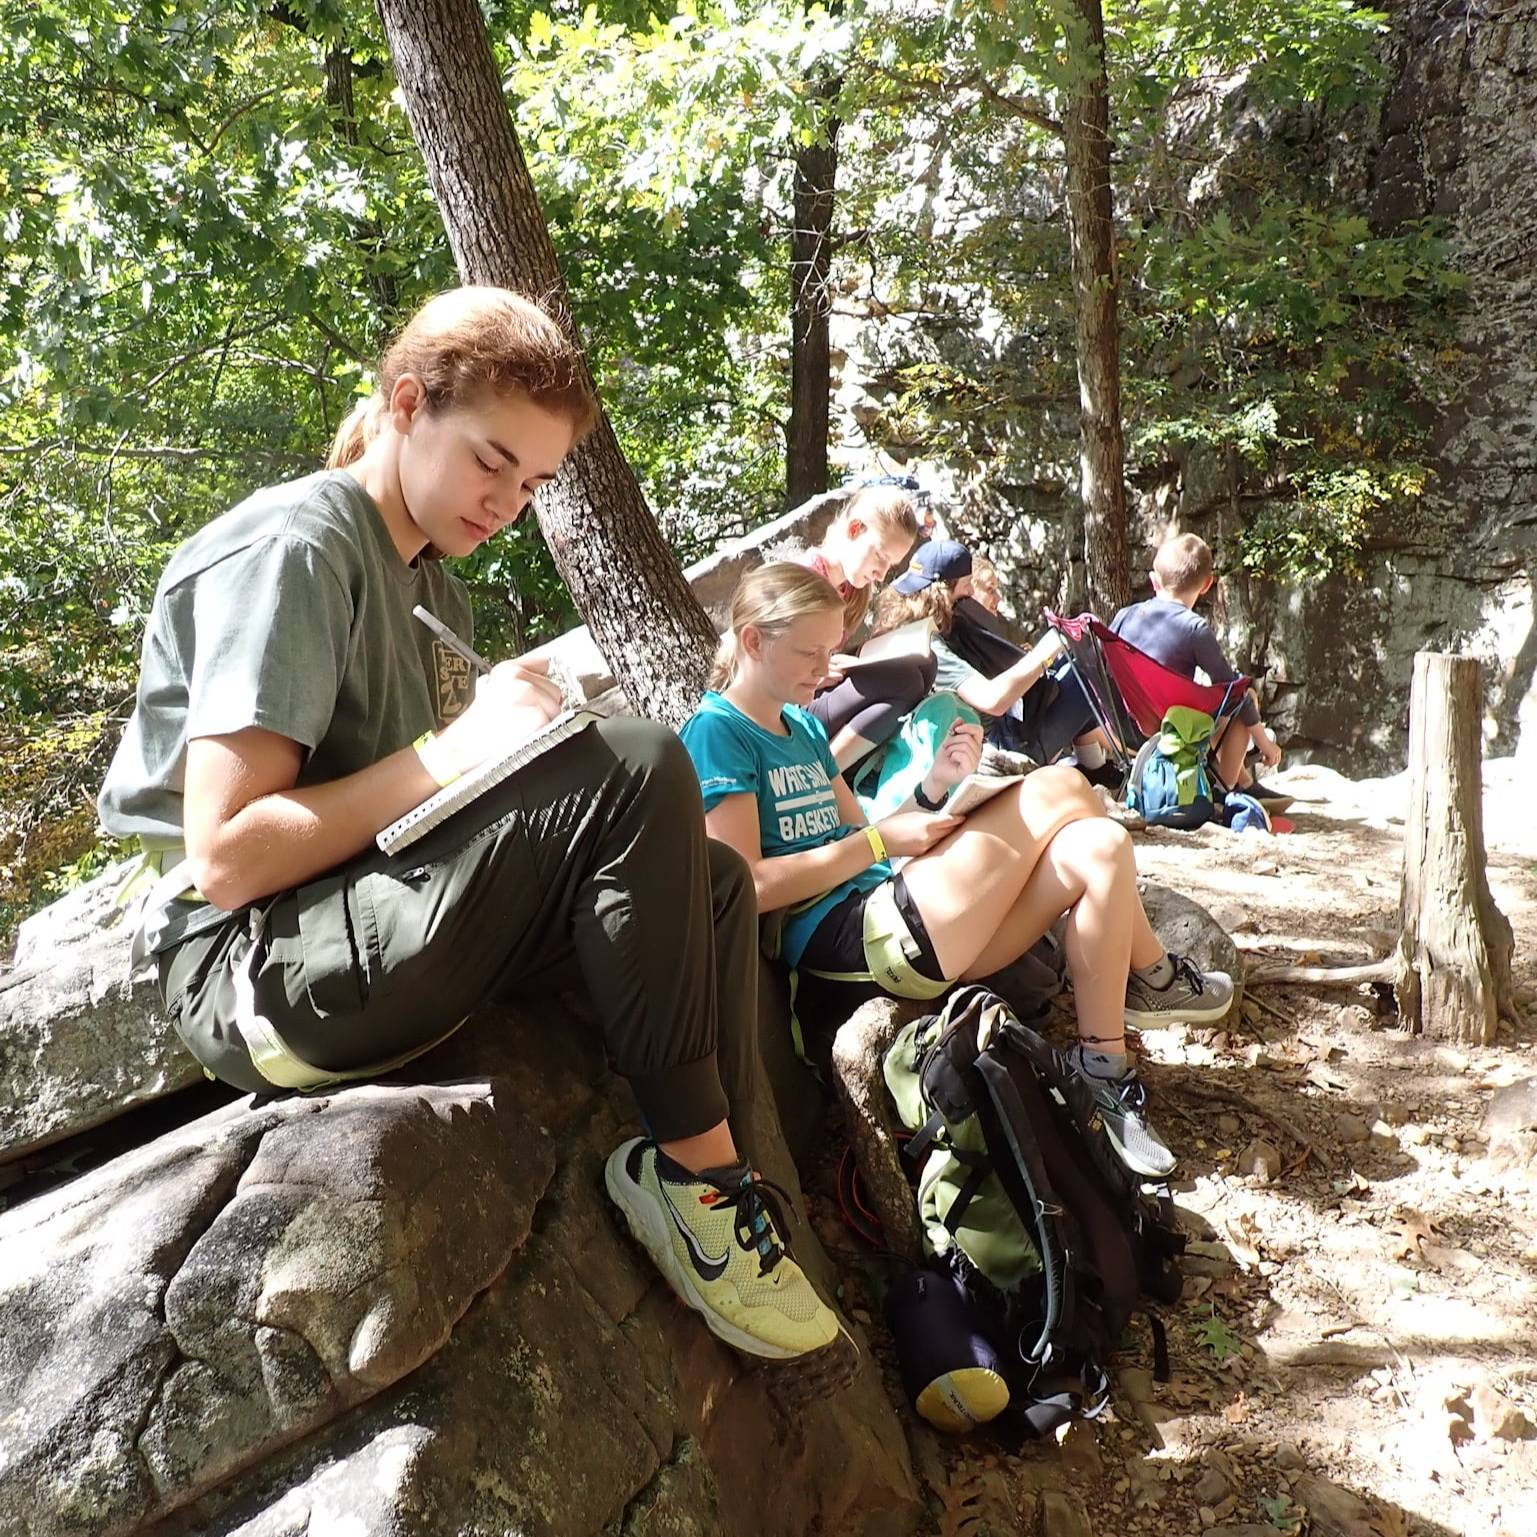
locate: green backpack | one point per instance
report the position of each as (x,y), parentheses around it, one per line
(1168,783)
(1023,1199)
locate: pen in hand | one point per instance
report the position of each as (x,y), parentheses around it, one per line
(452,641)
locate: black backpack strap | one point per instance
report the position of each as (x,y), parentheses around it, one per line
(980,1169)
(1023,1177)
(922,1139)
(1160,1347)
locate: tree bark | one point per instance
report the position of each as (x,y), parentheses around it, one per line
(626,582)
(1454,953)
(816,169)
(1091,230)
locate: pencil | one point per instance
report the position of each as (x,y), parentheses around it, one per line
(452,641)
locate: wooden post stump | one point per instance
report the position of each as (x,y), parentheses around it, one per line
(1454,954)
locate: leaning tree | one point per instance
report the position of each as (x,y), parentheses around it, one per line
(606,543)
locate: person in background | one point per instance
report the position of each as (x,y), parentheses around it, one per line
(862,707)
(1024,708)
(984,583)
(1169,630)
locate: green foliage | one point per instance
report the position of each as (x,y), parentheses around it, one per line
(206,241)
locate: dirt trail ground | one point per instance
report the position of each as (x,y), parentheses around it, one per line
(1357,1350)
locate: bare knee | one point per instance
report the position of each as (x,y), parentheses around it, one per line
(1093,844)
(1056,795)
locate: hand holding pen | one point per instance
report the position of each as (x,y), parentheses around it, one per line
(512,701)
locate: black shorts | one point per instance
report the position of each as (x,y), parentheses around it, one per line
(838,941)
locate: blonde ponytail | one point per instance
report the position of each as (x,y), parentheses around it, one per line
(723,668)
(357,431)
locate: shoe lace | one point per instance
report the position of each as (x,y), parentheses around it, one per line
(1186,968)
(1130,1091)
(760,1207)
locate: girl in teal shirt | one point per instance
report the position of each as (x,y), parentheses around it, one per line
(973,894)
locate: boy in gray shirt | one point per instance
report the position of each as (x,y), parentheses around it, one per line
(1169,630)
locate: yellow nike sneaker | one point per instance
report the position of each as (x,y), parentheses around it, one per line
(718,1244)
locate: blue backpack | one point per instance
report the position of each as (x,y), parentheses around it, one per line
(1169,783)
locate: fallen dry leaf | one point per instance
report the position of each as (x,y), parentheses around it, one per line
(1320,1077)
(1243,1239)
(1410,1229)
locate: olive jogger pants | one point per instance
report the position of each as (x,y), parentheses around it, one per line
(592,859)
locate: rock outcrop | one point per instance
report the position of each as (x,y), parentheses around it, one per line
(410,1308)
(80,1041)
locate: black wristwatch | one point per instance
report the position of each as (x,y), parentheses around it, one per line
(926,803)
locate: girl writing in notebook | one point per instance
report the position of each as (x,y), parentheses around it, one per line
(973,895)
(861,708)
(289,708)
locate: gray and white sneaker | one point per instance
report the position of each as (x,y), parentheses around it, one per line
(1122,1106)
(1194,996)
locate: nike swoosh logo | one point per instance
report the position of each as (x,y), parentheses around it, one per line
(712,1269)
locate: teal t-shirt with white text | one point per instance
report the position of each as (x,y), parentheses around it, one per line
(791,777)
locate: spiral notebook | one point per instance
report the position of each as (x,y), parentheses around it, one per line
(439,807)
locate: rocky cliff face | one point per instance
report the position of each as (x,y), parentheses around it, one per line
(1454,136)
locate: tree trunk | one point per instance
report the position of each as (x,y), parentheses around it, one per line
(816,168)
(370,233)
(1454,953)
(1102,452)
(627,584)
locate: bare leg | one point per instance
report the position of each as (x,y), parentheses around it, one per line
(965,885)
(1232,746)
(1089,872)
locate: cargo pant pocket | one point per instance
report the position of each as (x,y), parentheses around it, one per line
(338,972)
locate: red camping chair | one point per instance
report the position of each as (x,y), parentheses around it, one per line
(1128,691)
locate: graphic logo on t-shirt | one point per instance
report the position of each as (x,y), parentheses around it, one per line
(804,803)
(454,680)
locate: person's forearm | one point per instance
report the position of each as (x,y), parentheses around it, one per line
(284,839)
(790,878)
(993,696)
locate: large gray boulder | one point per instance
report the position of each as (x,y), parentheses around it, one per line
(80,1041)
(190,1307)
(1186,928)
(404,1308)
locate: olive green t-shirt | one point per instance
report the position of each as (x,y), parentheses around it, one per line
(291,612)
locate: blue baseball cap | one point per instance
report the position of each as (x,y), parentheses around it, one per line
(941,560)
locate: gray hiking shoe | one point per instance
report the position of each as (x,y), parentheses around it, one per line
(1194,996)
(1122,1106)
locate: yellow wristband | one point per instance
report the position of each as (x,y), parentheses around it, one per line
(877,843)
(430,751)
